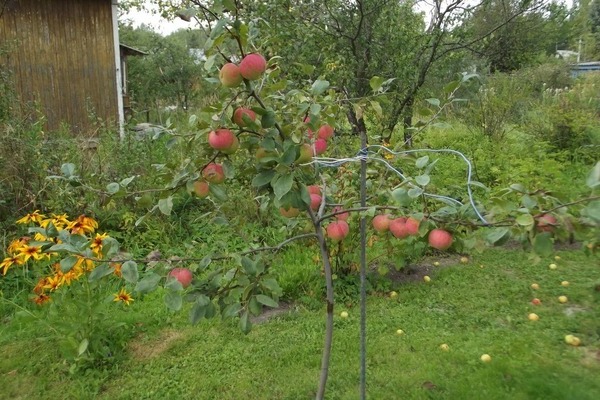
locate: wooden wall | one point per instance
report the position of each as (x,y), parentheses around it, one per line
(62,59)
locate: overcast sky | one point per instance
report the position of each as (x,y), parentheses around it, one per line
(159,24)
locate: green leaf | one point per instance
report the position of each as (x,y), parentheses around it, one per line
(263,178)
(166,205)
(63,247)
(113,188)
(208,64)
(68,169)
(423,180)
(401,196)
(542,244)
(173,301)
(451,87)
(592,210)
(525,220)
(593,179)
(422,161)
(377,108)
(83,345)
(231,310)
(433,102)
(282,184)
(219,28)
(248,266)
(376,82)
(319,86)
(268,119)
(100,272)
(289,155)
(148,283)
(498,236)
(129,271)
(205,262)
(245,324)
(67,263)
(415,192)
(197,312)
(218,192)
(125,182)
(266,300)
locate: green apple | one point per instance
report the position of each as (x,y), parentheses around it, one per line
(344,314)
(486,358)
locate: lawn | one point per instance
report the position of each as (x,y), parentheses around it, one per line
(476,308)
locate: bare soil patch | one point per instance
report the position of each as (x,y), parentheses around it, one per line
(143,349)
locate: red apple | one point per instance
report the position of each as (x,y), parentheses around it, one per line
(253,66)
(342,216)
(440,239)
(412,226)
(201,189)
(325,132)
(234,146)
(381,223)
(398,228)
(183,275)
(546,223)
(290,212)
(306,154)
(319,147)
(213,173)
(238,116)
(314,189)
(337,230)
(315,201)
(221,139)
(230,75)
(536,302)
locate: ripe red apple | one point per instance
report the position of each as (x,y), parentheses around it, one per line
(314,189)
(201,189)
(306,154)
(290,212)
(253,66)
(337,230)
(234,146)
(315,201)
(221,139)
(320,146)
(412,226)
(398,228)
(342,216)
(546,223)
(536,302)
(440,239)
(238,116)
(325,132)
(381,223)
(183,275)
(230,75)
(213,173)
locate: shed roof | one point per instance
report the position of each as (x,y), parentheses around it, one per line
(130,51)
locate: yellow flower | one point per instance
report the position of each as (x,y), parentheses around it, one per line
(41,299)
(15,244)
(82,225)
(123,296)
(59,221)
(52,283)
(96,244)
(117,271)
(85,264)
(39,288)
(28,252)
(32,217)
(388,156)
(10,261)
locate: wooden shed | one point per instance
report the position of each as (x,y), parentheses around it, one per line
(64,59)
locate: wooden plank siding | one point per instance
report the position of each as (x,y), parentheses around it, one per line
(62,59)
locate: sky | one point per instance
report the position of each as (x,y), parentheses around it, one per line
(157,23)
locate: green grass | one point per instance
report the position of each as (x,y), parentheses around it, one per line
(474,309)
